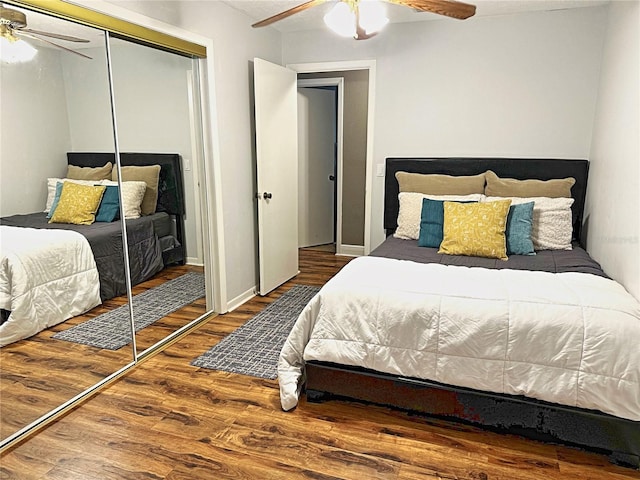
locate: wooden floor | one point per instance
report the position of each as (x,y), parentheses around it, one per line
(40,373)
(168,420)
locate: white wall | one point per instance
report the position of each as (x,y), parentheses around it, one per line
(235,46)
(34,137)
(514,85)
(613,195)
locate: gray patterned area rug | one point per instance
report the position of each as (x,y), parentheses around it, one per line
(253,349)
(112,330)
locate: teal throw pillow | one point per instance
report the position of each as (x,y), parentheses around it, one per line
(518,231)
(432,222)
(109,206)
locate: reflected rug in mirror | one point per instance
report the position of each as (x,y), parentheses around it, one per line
(112,330)
(253,349)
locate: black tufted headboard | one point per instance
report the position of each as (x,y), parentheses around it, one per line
(518,168)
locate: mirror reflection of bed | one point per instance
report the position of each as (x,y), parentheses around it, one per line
(156,254)
(64,100)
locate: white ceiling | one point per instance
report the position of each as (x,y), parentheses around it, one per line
(312,18)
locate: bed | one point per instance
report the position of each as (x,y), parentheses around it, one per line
(155,240)
(541,345)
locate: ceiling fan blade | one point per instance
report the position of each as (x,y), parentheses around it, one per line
(54,35)
(288,13)
(448,8)
(29,35)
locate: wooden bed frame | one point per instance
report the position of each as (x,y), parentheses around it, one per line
(589,429)
(170,188)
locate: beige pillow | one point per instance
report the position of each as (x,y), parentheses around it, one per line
(151,176)
(510,187)
(90,173)
(132,196)
(436,184)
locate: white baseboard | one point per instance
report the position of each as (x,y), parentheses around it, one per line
(350,250)
(240,299)
(195,261)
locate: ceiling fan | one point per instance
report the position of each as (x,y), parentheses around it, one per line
(355,10)
(13,27)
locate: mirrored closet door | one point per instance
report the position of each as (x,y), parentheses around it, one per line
(56,102)
(90,121)
(157,113)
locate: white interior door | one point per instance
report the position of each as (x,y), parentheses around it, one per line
(316,166)
(275,90)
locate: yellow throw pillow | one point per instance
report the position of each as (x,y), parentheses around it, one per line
(78,204)
(475,229)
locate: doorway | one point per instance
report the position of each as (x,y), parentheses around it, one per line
(320,125)
(354,157)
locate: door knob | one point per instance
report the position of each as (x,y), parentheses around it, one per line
(267,195)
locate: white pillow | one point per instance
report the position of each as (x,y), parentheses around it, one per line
(410,211)
(51,188)
(132,195)
(552,221)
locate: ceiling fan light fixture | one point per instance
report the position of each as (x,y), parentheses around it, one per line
(341,19)
(372,16)
(16,51)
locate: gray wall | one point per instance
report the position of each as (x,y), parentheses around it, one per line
(356,94)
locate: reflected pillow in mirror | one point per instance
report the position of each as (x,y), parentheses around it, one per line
(109,205)
(78,204)
(90,173)
(150,175)
(51,189)
(56,199)
(132,196)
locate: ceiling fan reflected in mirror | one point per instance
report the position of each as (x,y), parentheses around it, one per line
(13,30)
(362,19)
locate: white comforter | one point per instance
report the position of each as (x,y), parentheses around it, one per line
(46,277)
(568,338)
